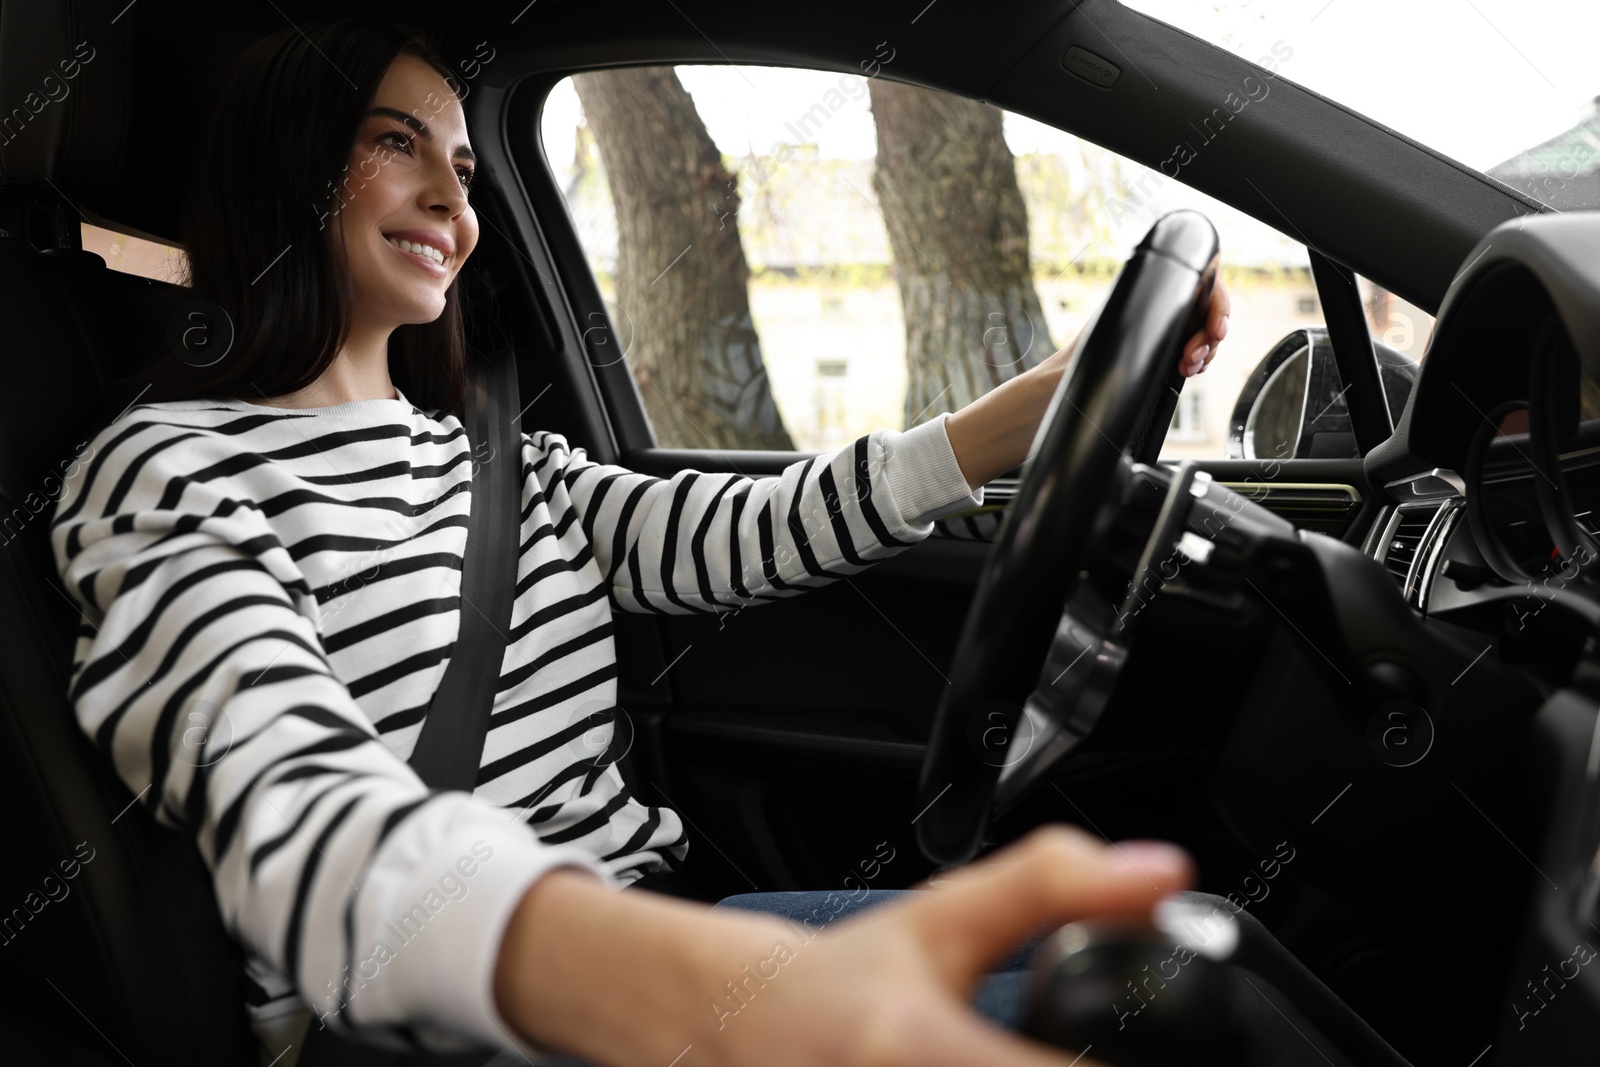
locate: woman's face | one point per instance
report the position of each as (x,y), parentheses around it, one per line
(406,223)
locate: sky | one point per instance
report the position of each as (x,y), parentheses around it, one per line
(1475,79)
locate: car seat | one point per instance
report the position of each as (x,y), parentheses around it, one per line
(130,945)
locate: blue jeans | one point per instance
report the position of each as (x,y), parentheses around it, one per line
(999,996)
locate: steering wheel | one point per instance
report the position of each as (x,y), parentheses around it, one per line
(1107,406)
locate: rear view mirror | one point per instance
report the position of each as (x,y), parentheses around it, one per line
(1293,404)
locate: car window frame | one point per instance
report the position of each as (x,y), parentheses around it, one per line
(626,427)
(610,422)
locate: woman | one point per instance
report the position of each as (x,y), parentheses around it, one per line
(269,558)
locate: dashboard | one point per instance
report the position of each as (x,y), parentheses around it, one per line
(1493,472)
(1413,538)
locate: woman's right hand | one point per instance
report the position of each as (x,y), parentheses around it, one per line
(633,978)
(891,986)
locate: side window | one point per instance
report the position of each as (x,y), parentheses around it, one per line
(794,258)
(1402,332)
(1395,321)
(134,255)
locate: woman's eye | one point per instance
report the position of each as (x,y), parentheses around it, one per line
(467,175)
(404,141)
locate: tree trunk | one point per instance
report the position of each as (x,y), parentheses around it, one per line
(959,230)
(681,271)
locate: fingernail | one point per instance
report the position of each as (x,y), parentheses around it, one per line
(1151,858)
(1222,328)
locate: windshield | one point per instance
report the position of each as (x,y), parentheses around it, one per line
(1506,87)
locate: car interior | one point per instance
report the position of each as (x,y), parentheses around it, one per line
(1382,664)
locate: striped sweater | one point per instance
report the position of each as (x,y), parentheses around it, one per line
(269,600)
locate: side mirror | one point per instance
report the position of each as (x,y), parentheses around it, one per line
(1293,407)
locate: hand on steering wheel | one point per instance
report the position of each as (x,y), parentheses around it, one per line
(1201,349)
(1115,395)
(1198,351)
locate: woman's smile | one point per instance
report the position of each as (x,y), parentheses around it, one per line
(428,249)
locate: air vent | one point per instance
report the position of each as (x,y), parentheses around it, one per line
(1321,508)
(1403,537)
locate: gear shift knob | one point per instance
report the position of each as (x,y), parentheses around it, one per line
(1135,994)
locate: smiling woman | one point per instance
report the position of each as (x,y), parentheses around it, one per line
(268,549)
(344,175)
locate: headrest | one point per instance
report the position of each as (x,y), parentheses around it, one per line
(74,122)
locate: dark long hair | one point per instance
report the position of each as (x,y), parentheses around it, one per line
(258,223)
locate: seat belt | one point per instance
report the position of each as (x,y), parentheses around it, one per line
(449,749)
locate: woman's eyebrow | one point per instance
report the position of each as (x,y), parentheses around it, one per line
(461,152)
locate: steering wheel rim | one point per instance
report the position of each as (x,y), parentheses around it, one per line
(1106,403)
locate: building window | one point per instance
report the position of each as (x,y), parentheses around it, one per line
(832,410)
(1308,305)
(1188,418)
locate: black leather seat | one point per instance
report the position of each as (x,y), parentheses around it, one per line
(131,944)
(134,942)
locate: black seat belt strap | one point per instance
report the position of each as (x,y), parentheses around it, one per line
(450,747)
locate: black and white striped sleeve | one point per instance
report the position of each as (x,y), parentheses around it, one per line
(710,542)
(200,674)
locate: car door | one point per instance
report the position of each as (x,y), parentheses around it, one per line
(791,736)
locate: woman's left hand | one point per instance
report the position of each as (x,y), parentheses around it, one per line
(1201,349)
(991,435)
(1198,351)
